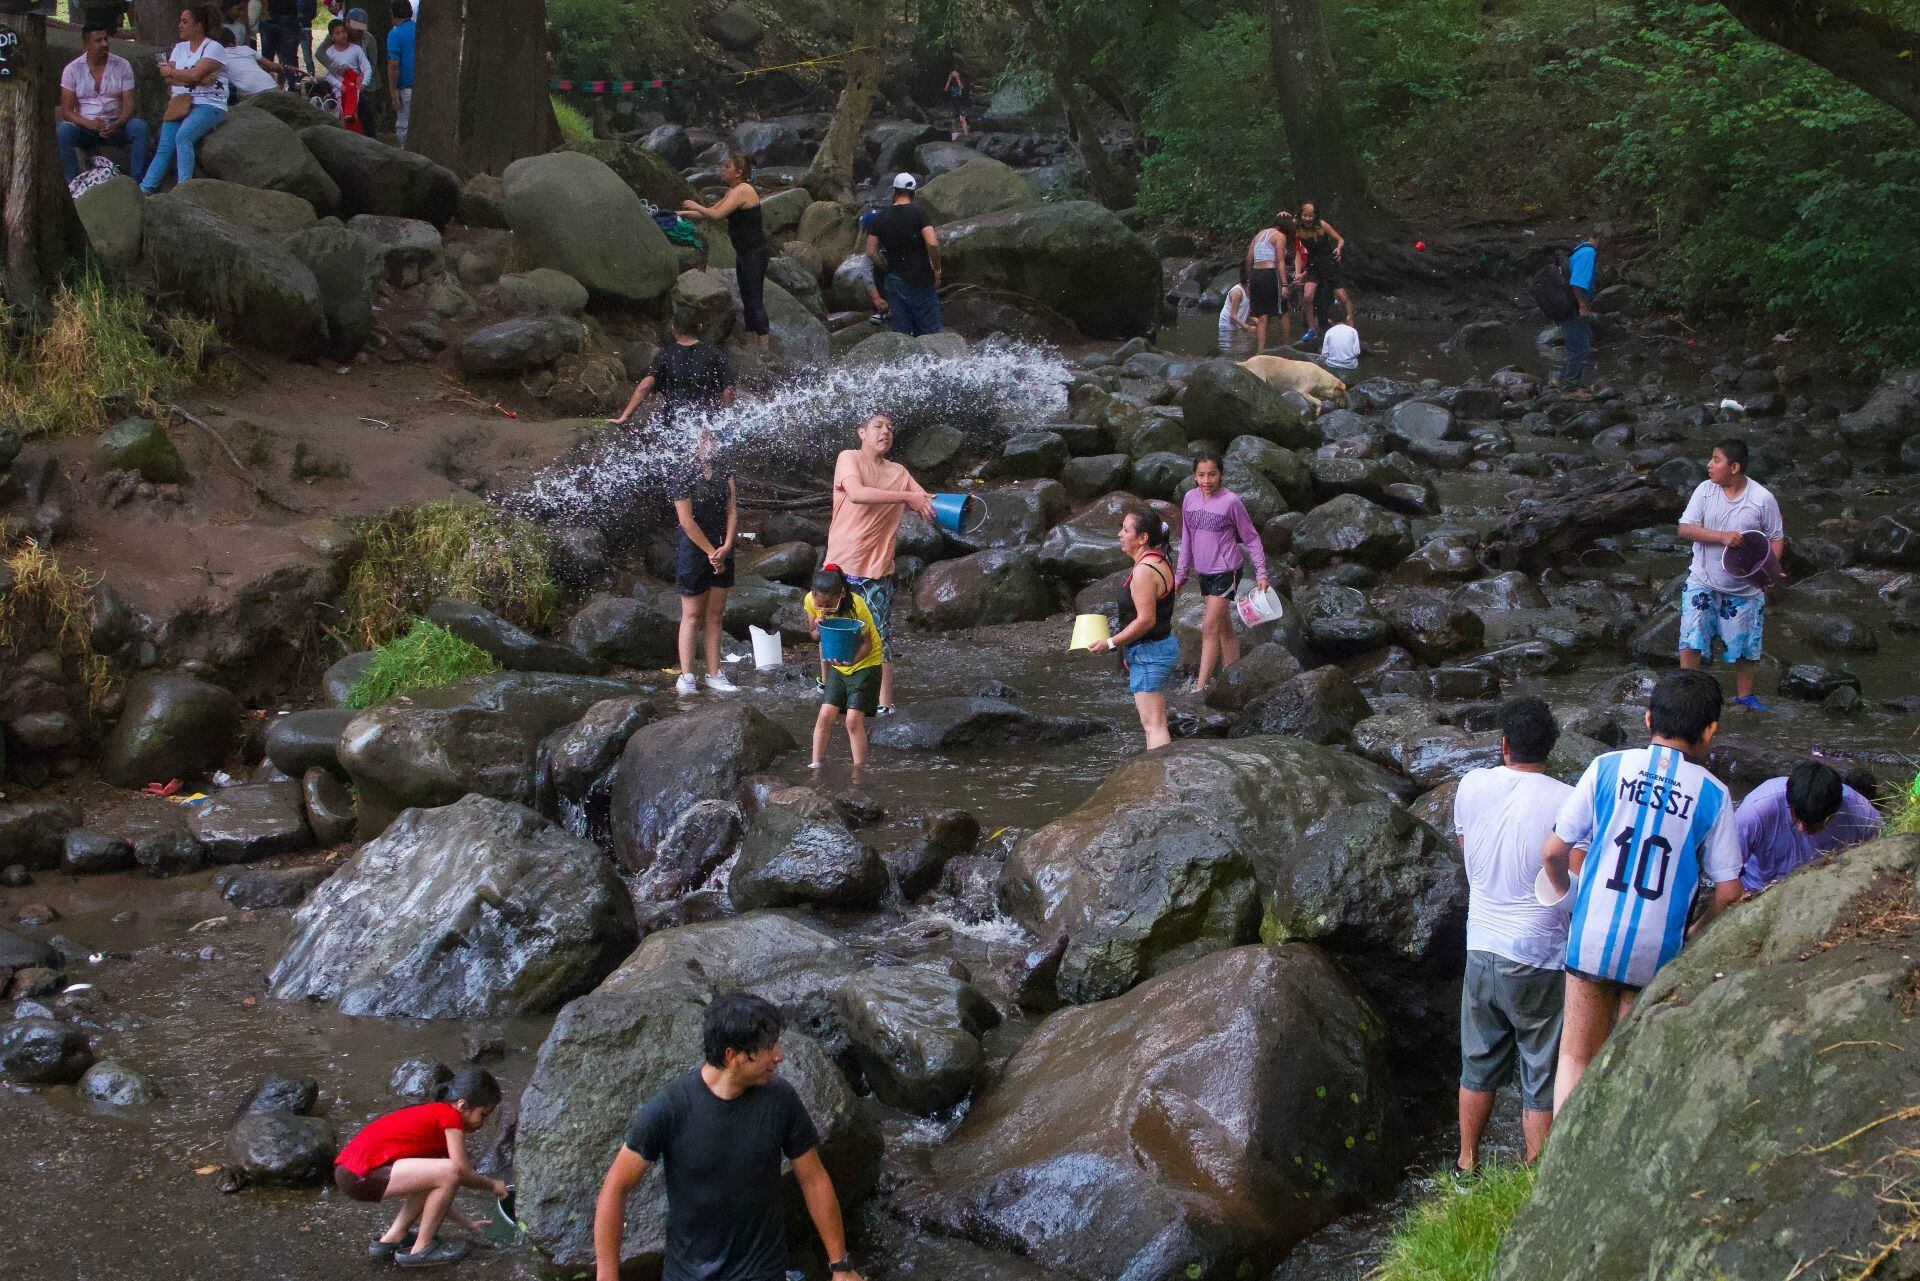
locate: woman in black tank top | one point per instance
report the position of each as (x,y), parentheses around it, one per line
(740,207)
(1145,639)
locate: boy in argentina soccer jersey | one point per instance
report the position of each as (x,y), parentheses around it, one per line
(1637,831)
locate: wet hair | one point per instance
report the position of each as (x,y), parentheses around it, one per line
(1147,522)
(1207,454)
(1528,726)
(1736,451)
(828,581)
(1684,705)
(741,1022)
(738,159)
(686,321)
(473,1086)
(401,10)
(1813,793)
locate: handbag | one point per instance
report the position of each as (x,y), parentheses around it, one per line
(179,107)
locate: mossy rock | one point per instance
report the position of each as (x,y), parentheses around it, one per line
(142,445)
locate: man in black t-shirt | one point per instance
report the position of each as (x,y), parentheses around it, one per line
(904,235)
(687,374)
(719,1132)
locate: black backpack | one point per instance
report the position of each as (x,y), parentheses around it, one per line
(1552,294)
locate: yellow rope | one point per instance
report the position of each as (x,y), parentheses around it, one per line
(807,62)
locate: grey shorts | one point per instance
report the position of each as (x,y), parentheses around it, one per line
(1510,1011)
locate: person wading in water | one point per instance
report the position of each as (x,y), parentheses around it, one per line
(1145,639)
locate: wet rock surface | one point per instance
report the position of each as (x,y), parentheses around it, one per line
(915,1031)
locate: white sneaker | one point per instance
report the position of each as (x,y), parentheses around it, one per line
(719,684)
(687,684)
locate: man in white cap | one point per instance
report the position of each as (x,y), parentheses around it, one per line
(903,235)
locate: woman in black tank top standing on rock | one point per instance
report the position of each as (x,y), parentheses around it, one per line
(741,209)
(1145,639)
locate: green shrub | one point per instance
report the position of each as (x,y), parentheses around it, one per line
(463,549)
(574,126)
(428,655)
(1902,809)
(1453,1235)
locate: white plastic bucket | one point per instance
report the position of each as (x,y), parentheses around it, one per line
(1545,895)
(766,648)
(1259,606)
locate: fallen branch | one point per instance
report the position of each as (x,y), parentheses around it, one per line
(259,487)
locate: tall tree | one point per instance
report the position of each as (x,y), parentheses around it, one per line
(505,111)
(434,128)
(1307,91)
(157,22)
(830,176)
(1867,50)
(42,234)
(1112,183)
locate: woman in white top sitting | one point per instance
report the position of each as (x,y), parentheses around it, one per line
(1234,325)
(194,67)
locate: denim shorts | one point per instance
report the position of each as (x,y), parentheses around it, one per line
(1150,664)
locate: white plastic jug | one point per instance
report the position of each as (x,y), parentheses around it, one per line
(1257,607)
(766,648)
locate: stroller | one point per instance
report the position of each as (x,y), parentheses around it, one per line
(343,105)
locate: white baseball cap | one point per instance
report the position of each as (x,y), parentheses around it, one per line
(905,182)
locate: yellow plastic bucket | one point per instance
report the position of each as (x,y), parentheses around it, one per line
(1088,628)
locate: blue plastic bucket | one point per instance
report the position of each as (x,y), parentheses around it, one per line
(958,513)
(840,639)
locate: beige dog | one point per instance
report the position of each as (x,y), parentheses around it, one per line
(1303,376)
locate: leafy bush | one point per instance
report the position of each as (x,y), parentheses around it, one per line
(1453,1236)
(574,126)
(414,556)
(428,655)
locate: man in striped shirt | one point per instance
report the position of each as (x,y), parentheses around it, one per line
(1628,850)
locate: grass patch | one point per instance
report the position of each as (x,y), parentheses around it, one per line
(461,549)
(103,347)
(1453,1236)
(1903,811)
(428,655)
(48,607)
(573,125)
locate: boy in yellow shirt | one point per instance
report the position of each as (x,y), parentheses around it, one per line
(853,688)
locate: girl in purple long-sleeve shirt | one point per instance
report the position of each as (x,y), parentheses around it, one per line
(1215,532)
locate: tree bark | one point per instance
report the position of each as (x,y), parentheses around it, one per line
(830,176)
(505,111)
(42,232)
(156,22)
(1307,90)
(1113,185)
(434,130)
(1867,50)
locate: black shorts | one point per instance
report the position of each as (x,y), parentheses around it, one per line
(1605,985)
(1263,292)
(693,573)
(854,691)
(1327,276)
(370,1186)
(1220,584)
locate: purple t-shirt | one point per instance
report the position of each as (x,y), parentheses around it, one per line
(1212,532)
(1774,846)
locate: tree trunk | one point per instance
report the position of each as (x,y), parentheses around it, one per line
(434,130)
(156,22)
(1867,50)
(1307,90)
(42,231)
(1113,186)
(505,111)
(830,176)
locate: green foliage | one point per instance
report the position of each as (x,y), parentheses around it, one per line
(428,655)
(465,550)
(1453,1235)
(573,125)
(1220,162)
(597,38)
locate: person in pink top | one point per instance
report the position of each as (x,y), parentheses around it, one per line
(96,105)
(1215,532)
(870,495)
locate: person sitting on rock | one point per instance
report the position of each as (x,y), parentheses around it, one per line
(1340,349)
(851,687)
(250,72)
(1638,830)
(1715,605)
(419,1153)
(720,1131)
(96,105)
(1787,822)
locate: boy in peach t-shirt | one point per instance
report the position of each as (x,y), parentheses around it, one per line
(868,495)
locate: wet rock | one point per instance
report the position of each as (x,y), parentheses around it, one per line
(419,1080)
(87,853)
(1837,633)
(1033,455)
(1503,593)
(18,952)
(1200,1125)
(172,727)
(519,345)
(478,909)
(117,1085)
(343,675)
(1071,255)
(1001,586)
(631,631)
(1319,706)
(1891,541)
(1370,881)
(915,1030)
(512,648)
(1223,401)
(280,1149)
(1078,555)
(1096,474)
(1259,670)
(329,808)
(260,887)
(1814,683)
(252,821)
(1431,623)
(791,563)
(482,1042)
(1284,469)
(1445,559)
(142,445)
(36,1051)
(33,833)
(1555,525)
(1017,513)
(169,851)
(577,760)
(672,766)
(1160,475)
(15,876)
(946,724)
(797,851)
(1887,416)
(1843,702)
(1162,863)
(1349,528)
(296,1095)
(946,835)
(1418,420)
(300,741)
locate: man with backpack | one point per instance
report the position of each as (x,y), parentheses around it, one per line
(1565,295)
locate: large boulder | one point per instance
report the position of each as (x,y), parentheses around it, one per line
(1073,256)
(254,148)
(632,631)
(480,909)
(518,345)
(669,767)
(481,734)
(982,186)
(648,174)
(1000,586)
(255,290)
(252,821)
(110,213)
(1349,528)
(795,334)
(377,179)
(799,851)
(171,727)
(508,645)
(915,1031)
(1199,1126)
(1224,401)
(1321,706)
(1167,859)
(254,210)
(1775,1046)
(572,213)
(347,267)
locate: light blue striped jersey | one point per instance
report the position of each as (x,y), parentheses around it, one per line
(1650,820)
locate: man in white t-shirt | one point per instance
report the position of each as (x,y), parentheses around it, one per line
(1714,604)
(96,106)
(1516,948)
(1340,349)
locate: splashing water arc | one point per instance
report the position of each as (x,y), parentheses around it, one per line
(992,389)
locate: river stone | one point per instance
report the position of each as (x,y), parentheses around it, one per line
(280,1149)
(348,267)
(1260,669)
(1032,455)
(255,888)
(117,1085)
(1201,1125)
(1284,469)
(251,147)
(1164,861)
(18,952)
(672,765)
(338,682)
(799,850)
(947,724)
(252,821)
(481,909)
(1349,528)
(481,734)
(377,179)
(945,835)
(576,761)
(631,631)
(1000,586)
(518,345)
(297,1095)
(410,249)
(171,727)
(981,186)
(1017,513)
(87,853)
(110,213)
(508,645)
(1095,474)
(300,741)
(254,210)
(795,334)
(1223,401)
(776,955)
(33,833)
(1073,256)
(1814,683)
(252,288)
(915,1031)
(142,445)
(1774,1044)
(1419,420)
(418,1080)
(329,807)
(42,1051)
(1320,706)
(1430,623)
(572,213)
(542,290)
